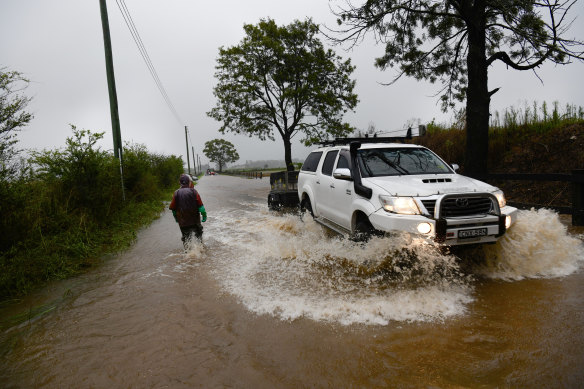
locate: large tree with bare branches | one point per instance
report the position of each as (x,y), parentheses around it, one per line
(282,79)
(455,42)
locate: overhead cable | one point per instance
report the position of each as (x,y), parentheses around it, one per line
(138,40)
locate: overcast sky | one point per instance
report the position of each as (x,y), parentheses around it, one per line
(58,45)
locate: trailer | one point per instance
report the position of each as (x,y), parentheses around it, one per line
(283,190)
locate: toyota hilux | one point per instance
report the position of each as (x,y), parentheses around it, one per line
(359,187)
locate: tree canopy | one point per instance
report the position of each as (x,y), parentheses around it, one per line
(282,79)
(455,42)
(221,152)
(12,118)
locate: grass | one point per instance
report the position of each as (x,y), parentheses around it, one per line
(73,250)
(511,132)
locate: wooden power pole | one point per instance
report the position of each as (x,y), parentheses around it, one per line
(111,82)
(111,86)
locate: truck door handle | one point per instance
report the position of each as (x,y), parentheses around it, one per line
(318,182)
(332,185)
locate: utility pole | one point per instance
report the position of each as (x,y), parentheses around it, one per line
(111,82)
(187,141)
(194,161)
(111,86)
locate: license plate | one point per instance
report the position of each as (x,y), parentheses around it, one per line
(475,232)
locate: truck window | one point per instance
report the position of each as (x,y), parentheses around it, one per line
(381,162)
(311,162)
(329,162)
(343,162)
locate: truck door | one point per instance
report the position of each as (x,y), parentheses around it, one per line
(342,194)
(323,184)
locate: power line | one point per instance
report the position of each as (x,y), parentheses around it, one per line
(144,53)
(140,44)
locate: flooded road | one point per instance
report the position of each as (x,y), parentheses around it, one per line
(269,301)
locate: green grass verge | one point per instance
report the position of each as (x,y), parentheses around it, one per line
(78,247)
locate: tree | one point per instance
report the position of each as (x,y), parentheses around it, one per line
(282,79)
(221,152)
(455,41)
(12,118)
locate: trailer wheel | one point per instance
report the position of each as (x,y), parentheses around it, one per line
(274,202)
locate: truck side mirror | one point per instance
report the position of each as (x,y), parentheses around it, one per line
(342,174)
(455,167)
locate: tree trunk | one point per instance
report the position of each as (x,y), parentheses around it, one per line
(288,154)
(477,95)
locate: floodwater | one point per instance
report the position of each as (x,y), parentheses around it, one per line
(270,301)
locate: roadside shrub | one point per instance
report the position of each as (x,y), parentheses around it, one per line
(516,131)
(146,174)
(84,178)
(65,208)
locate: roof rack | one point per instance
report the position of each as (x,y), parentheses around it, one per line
(373,139)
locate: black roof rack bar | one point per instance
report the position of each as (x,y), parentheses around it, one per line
(346,141)
(372,139)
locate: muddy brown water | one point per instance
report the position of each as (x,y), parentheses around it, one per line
(270,301)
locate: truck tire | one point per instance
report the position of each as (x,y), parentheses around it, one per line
(364,230)
(306,206)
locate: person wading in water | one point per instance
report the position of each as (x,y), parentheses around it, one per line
(187,209)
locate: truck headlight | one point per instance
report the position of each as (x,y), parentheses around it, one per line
(401,205)
(500,198)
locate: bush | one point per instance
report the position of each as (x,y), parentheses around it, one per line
(66,209)
(510,133)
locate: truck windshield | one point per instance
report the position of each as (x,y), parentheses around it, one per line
(399,161)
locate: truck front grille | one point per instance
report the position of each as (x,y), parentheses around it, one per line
(461,206)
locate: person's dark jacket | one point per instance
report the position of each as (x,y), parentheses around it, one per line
(186,202)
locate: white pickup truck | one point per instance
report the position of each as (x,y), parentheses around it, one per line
(357,188)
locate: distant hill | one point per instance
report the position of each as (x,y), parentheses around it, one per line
(263,164)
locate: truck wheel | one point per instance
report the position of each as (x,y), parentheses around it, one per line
(305,206)
(363,230)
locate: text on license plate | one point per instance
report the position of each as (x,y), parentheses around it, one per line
(475,232)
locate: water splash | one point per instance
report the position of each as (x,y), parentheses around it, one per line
(288,268)
(537,246)
(195,249)
(291,269)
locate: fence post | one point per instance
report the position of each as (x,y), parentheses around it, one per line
(578,197)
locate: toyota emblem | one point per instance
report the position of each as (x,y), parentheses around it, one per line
(462,202)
